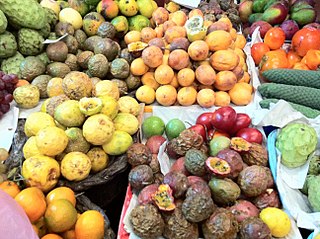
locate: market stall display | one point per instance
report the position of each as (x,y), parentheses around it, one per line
(171,93)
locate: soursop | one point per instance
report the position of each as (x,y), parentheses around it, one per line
(11,65)
(30,42)
(52,17)
(8,46)
(45,31)
(3,22)
(25,13)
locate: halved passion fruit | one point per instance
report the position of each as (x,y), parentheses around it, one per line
(239,144)
(218,166)
(195,34)
(137,47)
(90,105)
(163,198)
(193,23)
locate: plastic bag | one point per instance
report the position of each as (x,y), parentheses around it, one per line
(14,222)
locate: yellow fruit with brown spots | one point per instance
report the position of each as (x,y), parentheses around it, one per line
(75,166)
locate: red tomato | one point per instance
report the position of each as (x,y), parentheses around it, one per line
(258,50)
(242,121)
(252,135)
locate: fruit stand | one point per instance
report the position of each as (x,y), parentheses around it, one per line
(160,119)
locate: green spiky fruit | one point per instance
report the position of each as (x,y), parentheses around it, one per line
(11,65)
(24,13)
(3,22)
(30,42)
(8,46)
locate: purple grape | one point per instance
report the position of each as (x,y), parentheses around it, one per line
(2,85)
(14,78)
(9,87)
(5,108)
(1,96)
(8,98)
(6,79)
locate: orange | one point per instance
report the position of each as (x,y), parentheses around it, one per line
(148,79)
(198,50)
(240,41)
(61,193)
(166,95)
(178,17)
(218,40)
(138,67)
(206,98)
(205,74)
(241,93)
(33,202)
(274,38)
(90,225)
(185,77)
(224,60)
(145,94)
(147,33)
(187,96)
(70,234)
(132,36)
(51,236)
(21,83)
(60,215)
(10,188)
(222,98)
(164,74)
(225,80)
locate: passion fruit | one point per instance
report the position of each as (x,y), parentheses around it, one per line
(239,144)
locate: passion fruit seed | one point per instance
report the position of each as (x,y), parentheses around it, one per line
(90,106)
(163,198)
(239,144)
(218,166)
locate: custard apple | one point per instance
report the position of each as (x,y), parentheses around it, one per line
(8,46)
(3,22)
(30,42)
(25,13)
(11,65)
(52,17)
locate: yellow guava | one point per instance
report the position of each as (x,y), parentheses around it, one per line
(41,171)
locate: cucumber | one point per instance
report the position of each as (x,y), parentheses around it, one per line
(302,95)
(293,77)
(306,111)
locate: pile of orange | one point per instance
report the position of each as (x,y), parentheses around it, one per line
(303,53)
(54,216)
(176,67)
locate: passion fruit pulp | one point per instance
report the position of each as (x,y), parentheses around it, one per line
(218,166)
(163,198)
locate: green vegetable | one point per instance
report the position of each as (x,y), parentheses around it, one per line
(302,95)
(293,77)
(306,111)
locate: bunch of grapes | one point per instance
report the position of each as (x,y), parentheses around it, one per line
(7,85)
